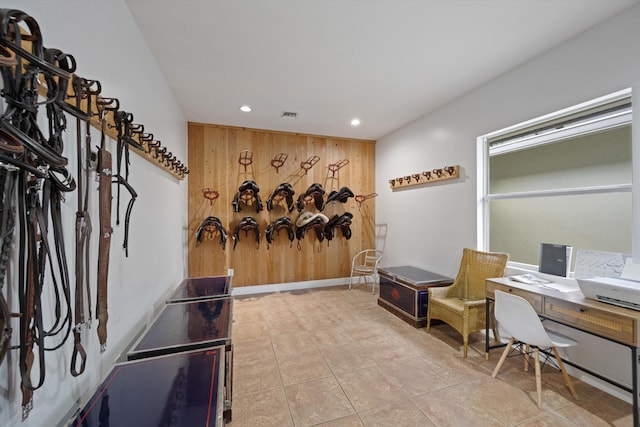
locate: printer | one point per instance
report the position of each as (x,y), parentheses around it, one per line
(621,292)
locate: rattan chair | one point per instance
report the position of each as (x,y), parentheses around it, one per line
(462,304)
(365,264)
(518,320)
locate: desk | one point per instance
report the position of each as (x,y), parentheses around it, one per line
(572,309)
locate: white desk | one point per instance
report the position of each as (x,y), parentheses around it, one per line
(572,309)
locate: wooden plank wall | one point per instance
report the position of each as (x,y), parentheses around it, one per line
(214,151)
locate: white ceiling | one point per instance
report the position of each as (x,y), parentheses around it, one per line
(386,62)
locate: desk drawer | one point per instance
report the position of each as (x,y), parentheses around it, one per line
(534,299)
(591,319)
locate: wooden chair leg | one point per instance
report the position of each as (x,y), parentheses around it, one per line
(465,346)
(465,333)
(538,376)
(527,349)
(503,357)
(564,373)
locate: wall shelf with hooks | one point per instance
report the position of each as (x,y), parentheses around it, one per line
(425,177)
(153,152)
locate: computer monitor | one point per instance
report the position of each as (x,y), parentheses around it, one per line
(555,259)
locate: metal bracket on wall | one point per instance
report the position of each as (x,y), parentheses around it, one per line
(210,195)
(361,198)
(335,167)
(245,159)
(309,163)
(278,161)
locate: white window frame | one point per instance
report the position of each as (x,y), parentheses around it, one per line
(482,156)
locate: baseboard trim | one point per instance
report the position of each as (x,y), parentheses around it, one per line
(285,287)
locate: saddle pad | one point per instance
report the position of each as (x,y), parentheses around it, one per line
(186,326)
(202,288)
(181,390)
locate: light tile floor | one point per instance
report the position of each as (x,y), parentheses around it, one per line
(333,357)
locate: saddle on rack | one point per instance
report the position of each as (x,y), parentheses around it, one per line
(247,191)
(246,224)
(283,191)
(341,195)
(211,222)
(307,221)
(315,193)
(282,223)
(343,222)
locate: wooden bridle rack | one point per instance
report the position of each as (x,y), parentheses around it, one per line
(426,177)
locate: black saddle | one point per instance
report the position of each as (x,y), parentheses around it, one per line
(282,223)
(209,223)
(246,224)
(316,193)
(341,195)
(343,222)
(282,191)
(248,190)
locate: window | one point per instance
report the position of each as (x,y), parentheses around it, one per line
(563,178)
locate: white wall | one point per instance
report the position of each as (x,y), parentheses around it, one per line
(602,60)
(108,46)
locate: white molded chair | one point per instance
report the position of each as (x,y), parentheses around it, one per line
(517,319)
(364,264)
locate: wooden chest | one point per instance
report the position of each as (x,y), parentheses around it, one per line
(404,291)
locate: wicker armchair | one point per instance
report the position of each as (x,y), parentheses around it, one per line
(462,304)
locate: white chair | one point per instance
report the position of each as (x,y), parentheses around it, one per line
(517,319)
(365,264)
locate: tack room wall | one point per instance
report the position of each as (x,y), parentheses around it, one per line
(214,164)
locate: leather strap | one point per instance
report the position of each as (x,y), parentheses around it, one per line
(127,217)
(7,221)
(123,121)
(104,173)
(31,313)
(82,89)
(36,162)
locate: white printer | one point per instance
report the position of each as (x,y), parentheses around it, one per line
(620,292)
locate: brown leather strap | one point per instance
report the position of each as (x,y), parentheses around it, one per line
(83,227)
(78,350)
(104,244)
(82,88)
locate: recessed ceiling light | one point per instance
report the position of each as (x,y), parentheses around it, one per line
(245,108)
(355,122)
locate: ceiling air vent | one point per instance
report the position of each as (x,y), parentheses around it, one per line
(289,114)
